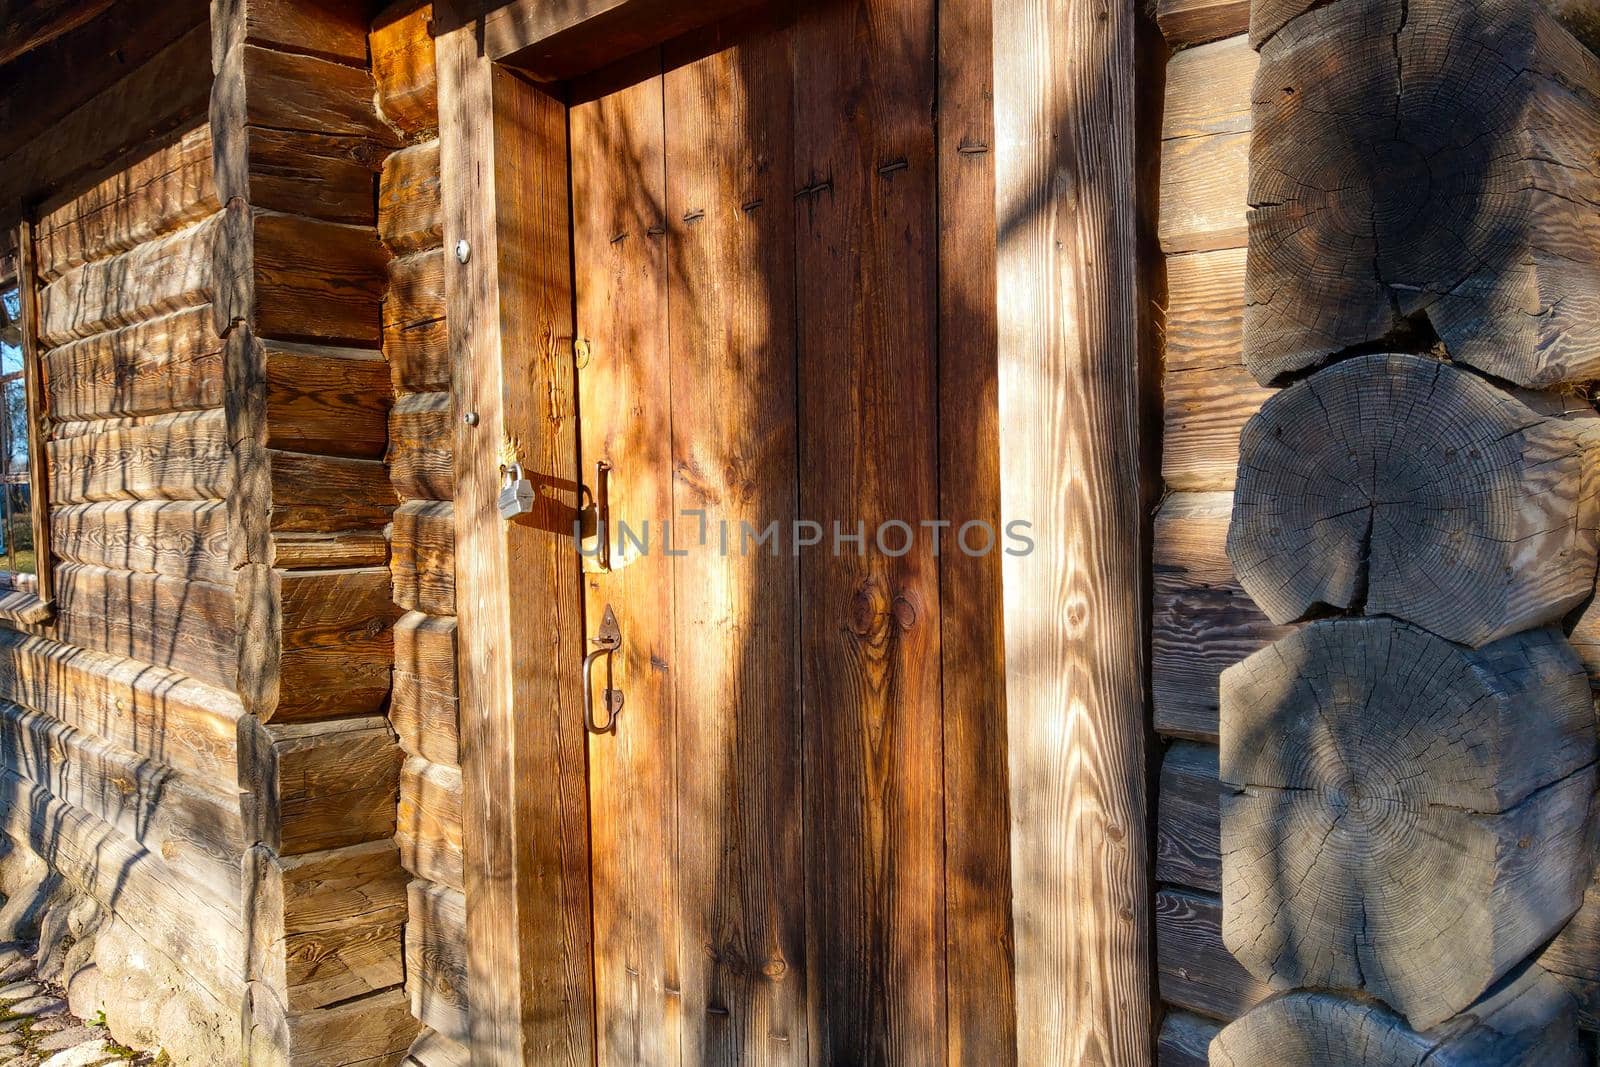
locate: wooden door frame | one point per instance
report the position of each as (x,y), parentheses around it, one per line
(1065,364)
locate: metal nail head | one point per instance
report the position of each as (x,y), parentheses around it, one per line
(463,251)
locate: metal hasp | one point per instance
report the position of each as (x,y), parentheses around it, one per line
(607,641)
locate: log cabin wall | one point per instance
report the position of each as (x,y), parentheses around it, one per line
(1203,620)
(200,779)
(421,459)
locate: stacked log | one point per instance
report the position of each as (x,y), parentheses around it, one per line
(1407,770)
(422,565)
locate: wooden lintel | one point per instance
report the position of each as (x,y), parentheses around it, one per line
(551,41)
(31,23)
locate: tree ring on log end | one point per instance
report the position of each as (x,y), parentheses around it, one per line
(1399,485)
(1527,1023)
(1424,158)
(1402,816)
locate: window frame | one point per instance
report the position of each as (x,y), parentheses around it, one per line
(29,598)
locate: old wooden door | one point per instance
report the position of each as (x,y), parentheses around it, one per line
(755,253)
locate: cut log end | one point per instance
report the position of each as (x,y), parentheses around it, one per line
(1402,816)
(1528,1024)
(1407,487)
(1395,179)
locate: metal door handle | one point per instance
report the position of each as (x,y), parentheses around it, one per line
(607,641)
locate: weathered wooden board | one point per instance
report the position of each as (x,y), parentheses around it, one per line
(328,926)
(401,43)
(347,548)
(166,93)
(433,1049)
(205,939)
(424,706)
(194,826)
(1527,1024)
(323,494)
(410,209)
(169,363)
(422,447)
(169,622)
(293,278)
(415,340)
(559,41)
(166,457)
(159,714)
(170,187)
(1429,804)
(331,29)
(309,787)
(1203,187)
(1207,394)
(424,563)
(1573,958)
(1408,487)
(328,401)
(1194,969)
(1188,831)
(1188,22)
(336,650)
(1185,1040)
(1209,90)
(1203,621)
(178,539)
(373,1030)
(168,274)
(436,975)
(980,982)
(428,828)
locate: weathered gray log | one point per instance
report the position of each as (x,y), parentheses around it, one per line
(1400,815)
(1412,488)
(1424,158)
(1528,1022)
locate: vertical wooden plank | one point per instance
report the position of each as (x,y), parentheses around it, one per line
(33,384)
(1069,462)
(620,250)
(865,201)
(730,213)
(982,1002)
(504,167)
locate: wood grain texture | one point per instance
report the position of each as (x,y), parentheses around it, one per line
(1461,202)
(1399,485)
(169,363)
(1203,623)
(866,266)
(554,41)
(422,446)
(311,787)
(1208,90)
(166,457)
(1207,394)
(168,274)
(428,828)
(329,29)
(1185,1040)
(401,44)
(167,92)
(1203,186)
(326,401)
(437,980)
(1194,969)
(503,155)
(168,188)
(376,1029)
(328,925)
(1403,816)
(1069,310)
(415,339)
(1188,22)
(424,563)
(169,622)
(425,704)
(335,647)
(410,209)
(980,1005)
(1188,829)
(159,714)
(179,539)
(641,870)
(1528,1023)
